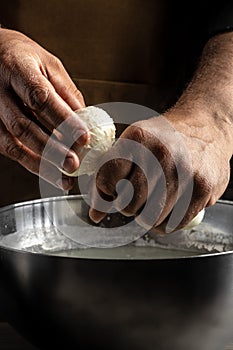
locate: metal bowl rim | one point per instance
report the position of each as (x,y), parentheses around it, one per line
(72,197)
(79,197)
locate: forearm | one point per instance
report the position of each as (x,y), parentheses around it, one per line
(210,93)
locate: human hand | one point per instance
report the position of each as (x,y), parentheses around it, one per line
(190,147)
(36,96)
(179,157)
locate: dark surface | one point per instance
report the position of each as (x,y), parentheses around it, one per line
(151,50)
(107,70)
(58,302)
(102,45)
(11,340)
(120,304)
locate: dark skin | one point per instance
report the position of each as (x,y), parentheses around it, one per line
(204,118)
(37,95)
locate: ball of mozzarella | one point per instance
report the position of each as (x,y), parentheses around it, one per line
(102,130)
(196,220)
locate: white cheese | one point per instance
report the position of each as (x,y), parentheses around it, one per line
(102,130)
(196,220)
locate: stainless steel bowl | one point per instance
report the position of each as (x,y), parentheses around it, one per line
(157,295)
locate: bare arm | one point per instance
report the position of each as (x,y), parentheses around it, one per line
(211,89)
(198,143)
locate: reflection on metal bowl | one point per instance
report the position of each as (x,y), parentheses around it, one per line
(138,296)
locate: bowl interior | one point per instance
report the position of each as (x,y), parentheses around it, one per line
(60,226)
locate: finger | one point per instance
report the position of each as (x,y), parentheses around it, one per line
(152,210)
(144,177)
(152,182)
(133,193)
(182,208)
(26,131)
(163,189)
(12,148)
(128,197)
(53,176)
(167,200)
(100,204)
(40,96)
(117,165)
(186,211)
(111,187)
(64,86)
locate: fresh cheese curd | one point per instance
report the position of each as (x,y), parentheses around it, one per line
(196,220)
(102,130)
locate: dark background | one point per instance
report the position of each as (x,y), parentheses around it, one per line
(139,51)
(120,50)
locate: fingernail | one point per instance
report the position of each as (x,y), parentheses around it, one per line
(84,139)
(96,216)
(68,165)
(81,137)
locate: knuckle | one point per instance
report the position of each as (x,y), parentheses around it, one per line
(104,187)
(6,54)
(74,91)
(50,152)
(57,63)
(213,199)
(106,180)
(6,68)
(203,186)
(77,93)
(136,132)
(19,127)
(38,97)
(15,151)
(219,186)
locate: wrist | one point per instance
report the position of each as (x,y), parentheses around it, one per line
(212,111)
(209,95)
(197,119)
(221,117)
